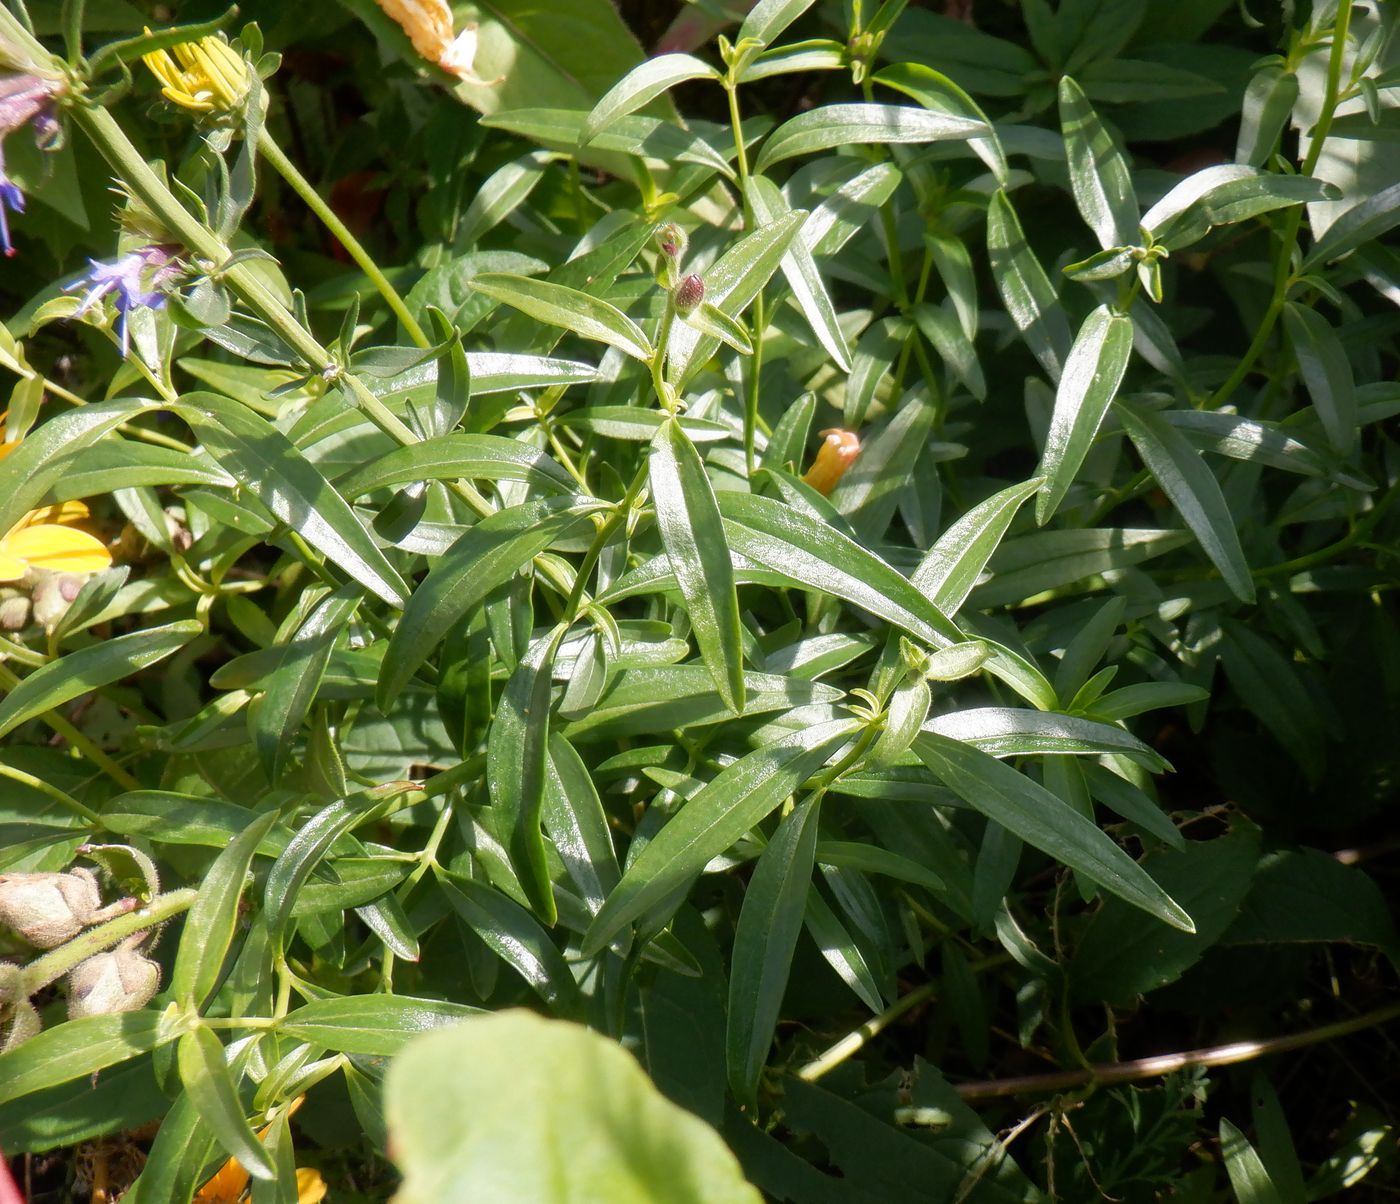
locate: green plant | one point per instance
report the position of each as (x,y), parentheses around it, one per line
(519,642)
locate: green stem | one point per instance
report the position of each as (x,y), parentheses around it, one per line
(76,738)
(853,1042)
(760,320)
(59,796)
(54,965)
(302,187)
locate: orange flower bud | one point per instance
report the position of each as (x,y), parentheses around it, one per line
(835,455)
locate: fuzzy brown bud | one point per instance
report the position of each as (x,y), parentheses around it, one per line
(120,980)
(688,295)
(47,909)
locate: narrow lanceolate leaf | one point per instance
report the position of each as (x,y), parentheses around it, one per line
(1185,478)
(844,125)
(734,801)
(800,270)
(1359,224)
(213,919)
(640,86)
(266,463)
(578,826)
(488,555)
(730,285)
(1026,809)
(76,673)
(585,315)
(693,535)
(78,1048)
(1224,194)
(935,91)
(1098,172)
(458,455)
(1017,732)
(951,567)
(1092,375)
(1026,290)
(1268,103)
(205,1075)
(516,756)
(764,939)
(768,18)
(1326,371)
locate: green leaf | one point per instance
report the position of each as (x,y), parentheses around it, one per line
(268,465)
(644,137)
(1123,955)
(1098,172)
(78,1048)
(213,918)
(1092,375)
(770,922)
(803,277)
(578,826)
(945,334)
(1273,690)
(830,126)
(1224,194)
(768,18)
(1374,216)
(868,492)
(1268,103)
(688,519)
(633,424)
(498,196)
(736,799)
(585,315)
(788,442)
(1248,1178)
(205,1076)
(576,1119)
(86,669)
(516,753)
(841,951)
(1016,732)
(952,566)
(373,1025)
(640,86)
(939,94)
(1326,370)
(453,456)
(1194,491)
(1028,810)
(488,555)
(1025,289)
(179,1157)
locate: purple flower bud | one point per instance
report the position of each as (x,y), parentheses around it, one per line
(688,295)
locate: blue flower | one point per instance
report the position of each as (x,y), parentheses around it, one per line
(10,198)
(136,279)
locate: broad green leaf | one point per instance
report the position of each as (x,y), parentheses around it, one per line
(640,86)
(1145,696)
(1194,491)
(292,687)
(1091,378)
(448,457)
(206,1078)
(768,18)
(952,566)
(800,270)
(1122,954)
(488,555)
(1016,732)
(691,531)
(1098,172)
(1250,439)
(736,799)
(86,669)
(1123,798)
(731,283)
(1268,102)
(598,1128)
(1222,195)
(45,453)
(212,920)
(182,819)
(876,352)
(939,94)
(830,126)
(116,463)
(516,754)
(504,372)
(585,315)
(770,922)
(265,462)
(1249,1179)
(373,1025)
(1028,810)
(1360,224)
(1025,289)
(77,1049)
(1326,370)
(712,321)
(815,54)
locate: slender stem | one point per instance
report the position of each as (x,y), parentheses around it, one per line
(59,796)
(760,320)
(741,154)
(1149,1068)
(853,1042)
(302,187)
(76,738)
(54,965)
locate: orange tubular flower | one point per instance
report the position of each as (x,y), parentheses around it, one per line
(44,539)
(230,1184)
(835,455)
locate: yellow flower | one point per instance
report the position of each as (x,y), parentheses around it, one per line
(206,75)
(231,1182)
(43,539)
(836,454)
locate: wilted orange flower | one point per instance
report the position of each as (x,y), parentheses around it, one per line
(428,24)
(44,539)
(835,455)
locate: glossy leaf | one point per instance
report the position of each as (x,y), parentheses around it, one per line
(584,315)
(1025,289)
(828,126)
(206,1078)
(1326,371)
(640,86)
(1098,172)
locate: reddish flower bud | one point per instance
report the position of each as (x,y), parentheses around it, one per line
(836,454)
(688,295)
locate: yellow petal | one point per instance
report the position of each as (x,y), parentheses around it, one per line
(12,568)
(311,1188)
(65,512)
(61,549)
